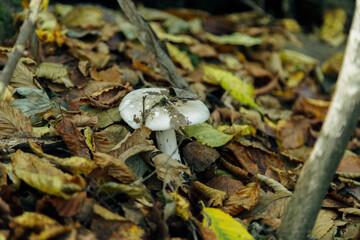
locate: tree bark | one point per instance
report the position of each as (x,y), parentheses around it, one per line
(319,169)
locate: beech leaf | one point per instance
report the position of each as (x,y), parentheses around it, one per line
(208,135)
(224,226)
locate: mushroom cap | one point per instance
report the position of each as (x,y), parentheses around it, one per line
(163,112)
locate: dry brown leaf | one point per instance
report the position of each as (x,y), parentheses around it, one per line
(43,176)
(65,207)
(169,170)
(108,138)
(312,108)
(226,184)
(13,121)
(212,196)
(349,164)
(72,137)
(114,167)
(75,164)
(104,99)
(22,76)
(33,220)
(139,136)
(112,74)
(324,222)
(293,133)
(203,50)
(246,198)
(199,156)
(84,120)
(115,229)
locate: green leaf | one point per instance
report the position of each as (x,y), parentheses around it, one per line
(235,39)
(238,88)
(224,226)
(35,101)
(208,135)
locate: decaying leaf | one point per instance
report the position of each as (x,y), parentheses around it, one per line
(324,222)
(35,101)
(114,167)
(73,138)
(118,188)
(13,121)
(108,138)
(169,170)
(198,156)
(22,76)
(224,226)
(212,196)
(75,164)
(246,198)
(45,177)
(292,133)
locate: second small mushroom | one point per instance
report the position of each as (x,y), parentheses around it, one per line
(163,110)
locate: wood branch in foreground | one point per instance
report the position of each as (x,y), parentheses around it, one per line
(26,30)
(151,43)
(319,169)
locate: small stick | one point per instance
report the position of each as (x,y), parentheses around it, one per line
(151,43)
(26,30)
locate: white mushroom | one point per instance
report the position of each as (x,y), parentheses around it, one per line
(163,111)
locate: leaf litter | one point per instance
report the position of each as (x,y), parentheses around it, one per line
(90,175)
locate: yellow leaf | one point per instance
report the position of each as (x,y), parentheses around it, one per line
(238,130)
(180,57)
(75,164)
(295,79)
(182,206)
(333,27)
(224,226)
(238,88)
(235,39)
(333,64)
(43,176)
(293,57)
(33,220)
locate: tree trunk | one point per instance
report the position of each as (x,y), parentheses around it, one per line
(339,124)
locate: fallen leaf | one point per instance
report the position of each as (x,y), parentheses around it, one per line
(75,164)
(108,138)
(118,188)
(198,156)
(226,184)
(84,17)
(246,198)
(206,134)
(235,39)
(333,64)
(56,72)
(107,214)
(213,197)
(45,177)
(324,222)
(66,207)
(13,121)
(349,164)
(114,167)
(35,101)
(112,74)
(72,137)
(22,76)
(203,50)
(238,88)
(182,206)
(224,226)
(333,26)
(169,170)
(292,133)
(180,57)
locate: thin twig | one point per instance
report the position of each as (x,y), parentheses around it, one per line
(26,30)
(151,43)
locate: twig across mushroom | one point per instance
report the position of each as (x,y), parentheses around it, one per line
(164,111)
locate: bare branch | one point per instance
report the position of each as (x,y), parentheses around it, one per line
(26,30)
(151,43)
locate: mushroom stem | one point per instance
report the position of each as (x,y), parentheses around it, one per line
(166,141)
